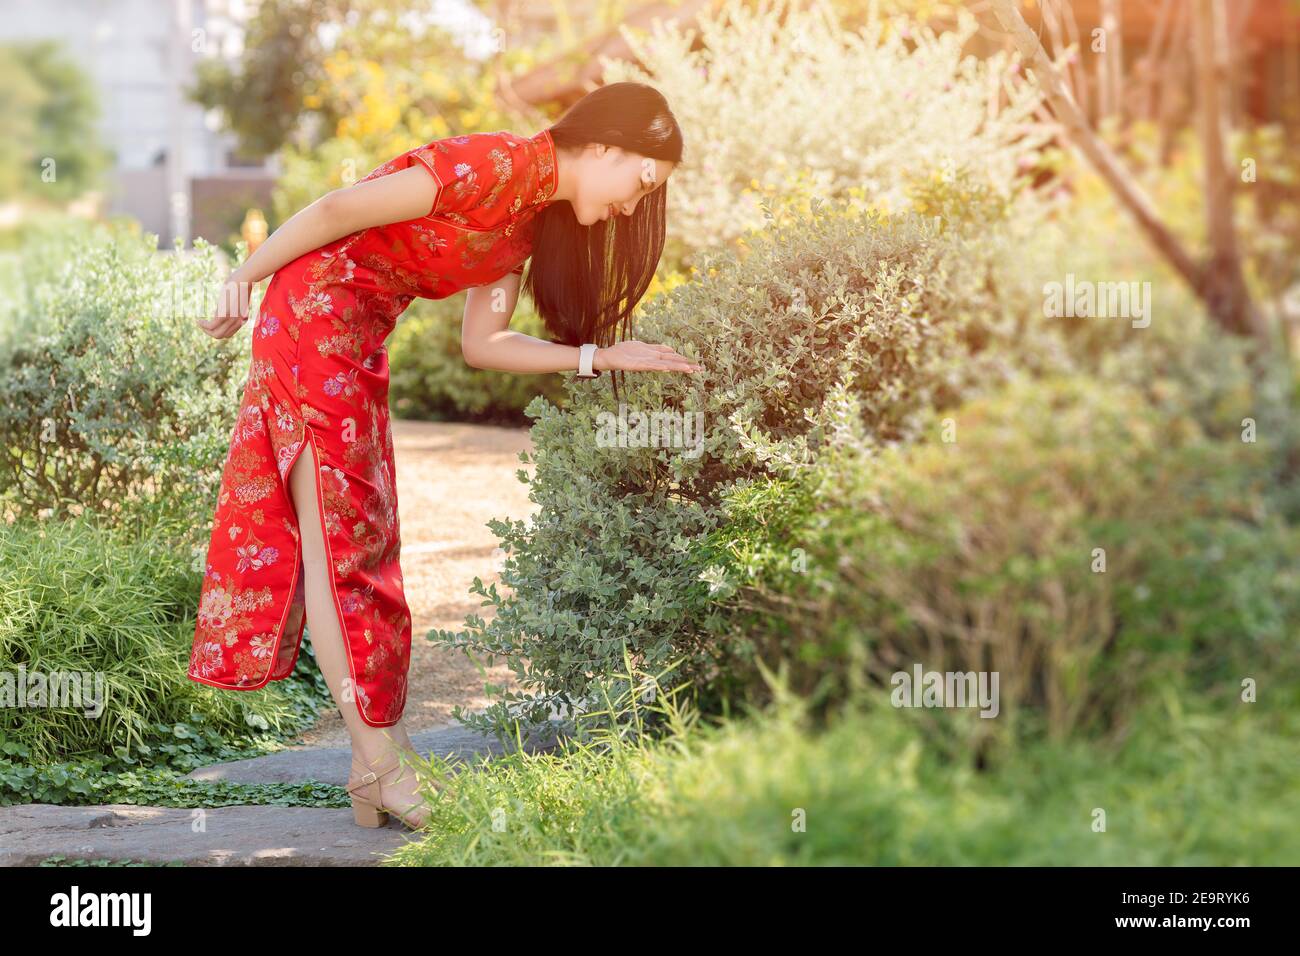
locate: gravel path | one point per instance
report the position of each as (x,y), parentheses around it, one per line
(451,480)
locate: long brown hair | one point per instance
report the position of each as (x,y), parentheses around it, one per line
(586,280)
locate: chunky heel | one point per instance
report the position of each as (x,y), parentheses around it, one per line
(367,815)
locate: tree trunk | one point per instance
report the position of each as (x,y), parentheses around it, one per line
(1173,96)
(1149,66)
(1111,20)
(1120,180)
(1224,287)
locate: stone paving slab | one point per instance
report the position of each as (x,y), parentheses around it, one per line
(238,835)
(231,836)
(331,764)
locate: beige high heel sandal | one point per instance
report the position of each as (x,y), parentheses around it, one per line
(366,789)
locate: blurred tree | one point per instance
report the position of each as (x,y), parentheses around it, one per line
(23,97)
(327,60)
(262,99)
(50,115)
(1217,281)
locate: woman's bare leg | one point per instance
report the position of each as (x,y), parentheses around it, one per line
(370,744)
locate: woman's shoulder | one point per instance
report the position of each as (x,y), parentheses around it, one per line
(472,148)
(479,176)
(451,156)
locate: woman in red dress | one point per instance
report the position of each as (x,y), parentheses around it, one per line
(305,533)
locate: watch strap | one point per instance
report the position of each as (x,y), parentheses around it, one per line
(586,353)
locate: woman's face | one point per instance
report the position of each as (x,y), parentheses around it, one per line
(612,181)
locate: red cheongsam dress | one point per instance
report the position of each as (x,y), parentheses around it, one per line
(319,373)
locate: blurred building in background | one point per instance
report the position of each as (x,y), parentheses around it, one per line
(173,169)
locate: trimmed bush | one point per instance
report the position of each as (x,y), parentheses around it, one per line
(112,400)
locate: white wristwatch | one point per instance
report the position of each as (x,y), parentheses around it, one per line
(586,353)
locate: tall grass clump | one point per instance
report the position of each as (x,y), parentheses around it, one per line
(777,788)
(80,601)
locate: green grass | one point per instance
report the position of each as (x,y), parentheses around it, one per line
(80,598)
(1185,789)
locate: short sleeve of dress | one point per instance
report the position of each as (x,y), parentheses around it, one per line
(464,169)
(469,171)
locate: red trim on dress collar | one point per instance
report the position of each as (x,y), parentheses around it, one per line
(549,180)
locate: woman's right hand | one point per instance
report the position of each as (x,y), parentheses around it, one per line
(231,311)
(633,356)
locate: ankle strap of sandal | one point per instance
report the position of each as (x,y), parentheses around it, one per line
(370,776)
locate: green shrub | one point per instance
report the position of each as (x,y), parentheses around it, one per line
(431,380)
(1201,373)
(111,399)
(79,597)
(611,559)
(1092,549)
(39,252)
(1181,360)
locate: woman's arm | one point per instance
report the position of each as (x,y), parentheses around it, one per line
(399,196)
(393,198)
(486,341)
